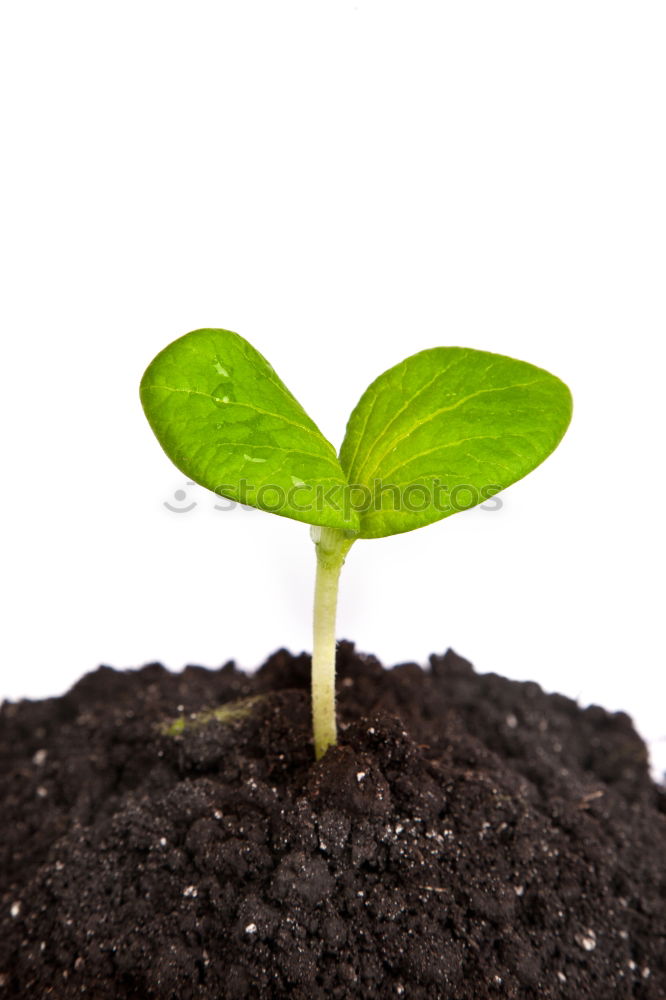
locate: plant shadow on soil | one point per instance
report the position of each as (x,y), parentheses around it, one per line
(471,838)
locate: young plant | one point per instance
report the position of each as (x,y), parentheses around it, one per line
(442,431)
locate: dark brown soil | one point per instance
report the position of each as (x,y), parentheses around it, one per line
(471,838)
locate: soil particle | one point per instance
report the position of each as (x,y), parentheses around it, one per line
(470,838)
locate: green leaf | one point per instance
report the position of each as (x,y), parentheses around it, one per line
(443,431)
(227,422)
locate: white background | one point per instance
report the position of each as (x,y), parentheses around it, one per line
(343,183)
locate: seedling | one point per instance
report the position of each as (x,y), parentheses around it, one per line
(442,431)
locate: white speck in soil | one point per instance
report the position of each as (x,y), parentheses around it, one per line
(519,890)
(645,972)
(562,978)
(39,757)
(251,929)
(217,814)
(511,721)
(163,841)
(624,935)
(400,989)
(15,908)
(360,776)
(371,731)
(399,828)
(191,891)
(587,940)
(631,964)
(497,980)
(4,978)
(42,792)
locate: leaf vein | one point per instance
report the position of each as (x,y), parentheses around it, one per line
(446,409)
(273,447)
(395,416)
(257,409)
(442,447)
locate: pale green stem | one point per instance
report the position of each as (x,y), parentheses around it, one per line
(332,546)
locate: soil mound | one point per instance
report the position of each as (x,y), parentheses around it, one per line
(471,838)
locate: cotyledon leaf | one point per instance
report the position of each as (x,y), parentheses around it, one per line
(443,431)
(227,422)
